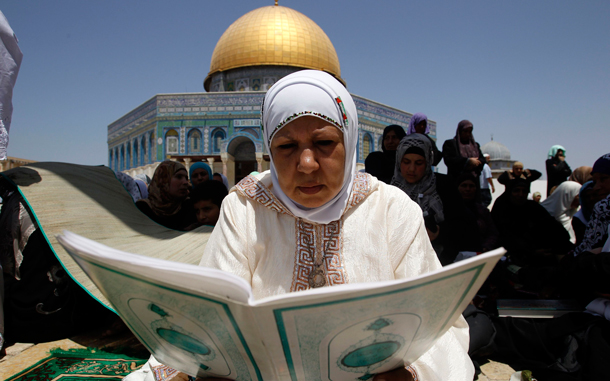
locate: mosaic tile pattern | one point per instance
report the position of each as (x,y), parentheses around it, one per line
(235,112)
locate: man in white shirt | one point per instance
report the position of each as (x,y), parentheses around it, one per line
(486,182)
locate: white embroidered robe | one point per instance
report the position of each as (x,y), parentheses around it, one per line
(381,236)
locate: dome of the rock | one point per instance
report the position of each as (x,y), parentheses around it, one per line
(274,36)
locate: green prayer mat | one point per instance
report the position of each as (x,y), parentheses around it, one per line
(80,365)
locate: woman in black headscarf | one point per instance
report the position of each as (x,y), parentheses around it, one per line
(381,163)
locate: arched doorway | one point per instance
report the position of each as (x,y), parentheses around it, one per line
(244,153)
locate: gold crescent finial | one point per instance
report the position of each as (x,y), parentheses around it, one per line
(276,3)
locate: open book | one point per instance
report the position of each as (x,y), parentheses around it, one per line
(205,322)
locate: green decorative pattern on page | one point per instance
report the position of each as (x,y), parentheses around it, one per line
(355,339)
(199,335)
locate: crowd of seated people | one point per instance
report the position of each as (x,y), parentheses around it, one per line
(546,242)
(313,172)
(177,203)
(555,248)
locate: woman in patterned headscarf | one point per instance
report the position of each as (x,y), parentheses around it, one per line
(166,202)
(596,233)
(435,193)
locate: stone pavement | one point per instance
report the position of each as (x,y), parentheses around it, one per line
(495,371)
(20,356)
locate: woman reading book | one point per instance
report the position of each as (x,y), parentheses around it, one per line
(314,221)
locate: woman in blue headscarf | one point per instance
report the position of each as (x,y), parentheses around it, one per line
(199,172)
(557,169)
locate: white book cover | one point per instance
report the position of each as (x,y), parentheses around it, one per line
(205,322)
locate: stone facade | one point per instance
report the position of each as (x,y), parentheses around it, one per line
(221,128)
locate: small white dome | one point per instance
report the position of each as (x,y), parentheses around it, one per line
(496,151)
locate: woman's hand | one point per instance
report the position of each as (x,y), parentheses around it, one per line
(434,235)
(180,377)
(400,374)
(473,162)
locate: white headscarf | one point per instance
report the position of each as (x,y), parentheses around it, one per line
(318,94)
(558,204)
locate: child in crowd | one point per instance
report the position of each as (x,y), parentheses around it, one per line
(206,199)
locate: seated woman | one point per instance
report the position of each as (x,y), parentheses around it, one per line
(534,240)
(419,124)
(381,163)
(313,221)
(580,220)
(581,175)
(222,178)
(486,237)
(199,172)
(167,202)
(563,204)
(435,193)
(597,229)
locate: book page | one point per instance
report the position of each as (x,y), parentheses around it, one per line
(353,332)
(176,274)
(345,332)
(194,333)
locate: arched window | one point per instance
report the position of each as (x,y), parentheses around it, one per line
(122,158)
(128,157)
(194,141)
(143,150)
(136,155)
(116,159)
(110,161)
(152,149)
(366,145)
(217,139)
(171,142)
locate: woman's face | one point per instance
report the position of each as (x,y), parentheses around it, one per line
(179,184)
(518,195)
(309,157)
(602,185)
(420,128)
(391,141)
(517,170)
(413,167)
(199,175)
(466,135)
(467,189)
(207,212)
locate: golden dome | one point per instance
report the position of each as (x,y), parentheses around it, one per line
(274,35)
